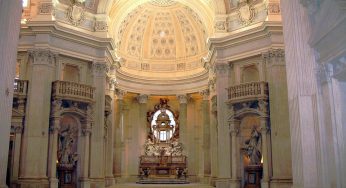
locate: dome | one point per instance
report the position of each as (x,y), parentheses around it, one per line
(162,36)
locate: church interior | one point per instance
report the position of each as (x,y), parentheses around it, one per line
(173,93)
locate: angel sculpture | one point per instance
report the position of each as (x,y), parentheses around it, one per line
(253,147)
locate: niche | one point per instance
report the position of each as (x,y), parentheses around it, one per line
(250,74)
(70,73)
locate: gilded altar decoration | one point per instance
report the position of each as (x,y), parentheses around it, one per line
(163,158)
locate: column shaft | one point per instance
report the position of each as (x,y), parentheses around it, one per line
(18,129)
(234,130)
(213,139)
(10,14)
(206,133)
(86,132)
(118,138)
(265,153)
(53,149)
(97,157)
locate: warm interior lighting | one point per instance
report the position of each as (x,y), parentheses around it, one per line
(25,3)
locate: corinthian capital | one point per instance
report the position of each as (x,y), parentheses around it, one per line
(142,98)
(100,68)
(182,99)
(43,57)
(205,94)
(222,69)
(274,56)
(120,93)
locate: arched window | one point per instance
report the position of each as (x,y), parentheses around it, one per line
(163,135)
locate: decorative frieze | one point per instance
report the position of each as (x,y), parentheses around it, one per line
(45,8)
(101,26)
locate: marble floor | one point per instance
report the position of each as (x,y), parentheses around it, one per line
(134,185)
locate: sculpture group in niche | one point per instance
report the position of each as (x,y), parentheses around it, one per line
(252,147)
(67,155)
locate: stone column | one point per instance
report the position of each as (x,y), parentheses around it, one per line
(53,150)
(10,14)
(183,120)
(143,129)
(234,130)
(118,133)
(97,172)
(110,142)
(302,94)
(206,133)
(274,62)
(35,137)
(213,139)
(224,153)
(18,130)
(85,154)
(265,152)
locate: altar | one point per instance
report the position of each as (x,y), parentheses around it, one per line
(163,161)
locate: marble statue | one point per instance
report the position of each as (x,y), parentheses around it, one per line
(253,147)
(66,153)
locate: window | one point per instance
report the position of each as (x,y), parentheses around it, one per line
(25,3)
(163,135)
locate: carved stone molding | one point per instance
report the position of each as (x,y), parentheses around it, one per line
(101,26)
(274,57)
(43,57)
(76,14)
(45,8)
(234,127)
(274,8)
(205,94)
(113,83)
(100,69)
(86,131)
(214,104)
(264,125)
(220,26)
(222,68)
(183,99)
(120,94)
(17,129)
(142,98)
(246,13)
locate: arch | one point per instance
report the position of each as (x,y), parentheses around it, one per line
(240,114)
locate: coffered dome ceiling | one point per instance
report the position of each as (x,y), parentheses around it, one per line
(162,36)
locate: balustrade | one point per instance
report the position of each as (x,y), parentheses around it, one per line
(73,91)
(20,87)
(247,92)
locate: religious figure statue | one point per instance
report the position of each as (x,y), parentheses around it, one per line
(66,154)
(253,147)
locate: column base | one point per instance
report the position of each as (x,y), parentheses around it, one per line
(264,184)
(97,183)
(53,183)
(84,183)
(110,181)
(33,182)
(234,183)
(222,182)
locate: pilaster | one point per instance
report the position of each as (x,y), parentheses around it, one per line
(118,132)
(302,100)
(97,149)
(36,136)
(142,129)
(213,138)
(224,153)
(206,133)
(183,99)
(274,62)
(235,153)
